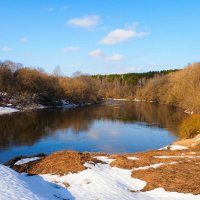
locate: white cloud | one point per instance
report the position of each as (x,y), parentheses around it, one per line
(115,57)
(96,53)
(24,40)
(85,21)
(7,49)
(121,35)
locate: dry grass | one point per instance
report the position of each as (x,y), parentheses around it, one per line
(190,126)
(182,177)
(60,163)
(179,174)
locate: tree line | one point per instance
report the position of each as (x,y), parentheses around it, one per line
(125,85)
(174,87)
(179,88)
(26,85)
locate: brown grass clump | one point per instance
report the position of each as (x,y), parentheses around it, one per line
(60,163)
(181,177)
(122,162)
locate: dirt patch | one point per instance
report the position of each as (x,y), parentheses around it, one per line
(60,163)
(181,177)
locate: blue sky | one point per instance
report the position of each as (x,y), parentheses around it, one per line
(100,36)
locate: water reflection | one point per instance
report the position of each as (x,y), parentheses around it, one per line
(102,128)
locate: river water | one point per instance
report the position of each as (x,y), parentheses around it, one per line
(115,127)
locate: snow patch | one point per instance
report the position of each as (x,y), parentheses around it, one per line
(164,148)
(15,186)
(26,160)
(154,166)
(67,104)
(7,110)
(161,194)
(177,147)
(101,182)
(105,159)
(176,157)
(149,166)
(133,158)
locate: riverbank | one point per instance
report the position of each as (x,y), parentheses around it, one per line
(168,173)
(8,109)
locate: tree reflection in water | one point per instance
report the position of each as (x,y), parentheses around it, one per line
(25,129)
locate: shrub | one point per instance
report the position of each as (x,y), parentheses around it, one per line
(190,126)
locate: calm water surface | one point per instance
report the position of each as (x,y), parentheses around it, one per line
(113,128)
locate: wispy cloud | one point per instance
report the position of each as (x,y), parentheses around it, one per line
(24,40)
(115,57)
(96,53)
(71,49)
(121,35)
(88,21)
(7,49)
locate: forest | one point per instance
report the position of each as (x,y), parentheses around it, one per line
(28,85)
(179,89)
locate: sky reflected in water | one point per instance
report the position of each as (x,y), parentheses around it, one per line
(111,128)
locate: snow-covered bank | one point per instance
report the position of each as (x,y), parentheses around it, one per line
(99,181)
(63,105)
(171,173)
(7,110)
(15,186)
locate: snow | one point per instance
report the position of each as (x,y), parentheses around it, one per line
(26,160)
(100,181)
(164,157)
(178,147)
(67,104)
(14,186)
(154,166)
(133,158)
(161,194)
(164,148)
(149,166)
(104,159)
(7,110)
